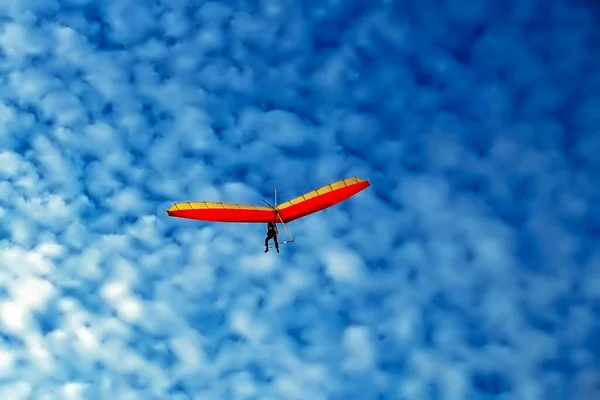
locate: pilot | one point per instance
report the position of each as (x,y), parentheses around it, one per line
(272,233)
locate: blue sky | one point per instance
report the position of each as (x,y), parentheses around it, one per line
(469,269)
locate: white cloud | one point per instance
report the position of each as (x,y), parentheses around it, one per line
(406,325)
(17,391)
(247,326)
(32,84)
(74,391)
(63,107)
(359,348)
(129,23)
(19,40)
(15,317)
(21,262)
(343,265)
(41,354)
(189,353)
(33,293)
(280,128)
(126,201)
(10,164)
(51,250)
(7,362)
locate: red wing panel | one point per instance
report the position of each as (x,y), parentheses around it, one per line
(222,212)
(320,201)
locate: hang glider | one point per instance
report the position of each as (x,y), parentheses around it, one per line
(288,211)
(291,210)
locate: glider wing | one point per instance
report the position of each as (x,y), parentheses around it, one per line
(321,198)
(221,212)
(291,210)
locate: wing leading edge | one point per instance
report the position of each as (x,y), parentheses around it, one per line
(291,210)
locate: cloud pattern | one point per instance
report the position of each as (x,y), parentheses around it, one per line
(469,269)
